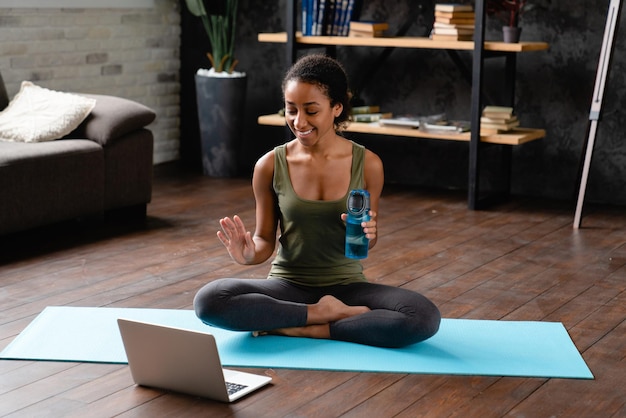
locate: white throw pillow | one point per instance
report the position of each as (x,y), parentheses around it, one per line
(38,114)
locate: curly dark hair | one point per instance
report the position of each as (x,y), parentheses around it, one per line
(328,74)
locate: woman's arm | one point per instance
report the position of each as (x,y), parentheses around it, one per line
(374,180)
(266,207)
(241,245)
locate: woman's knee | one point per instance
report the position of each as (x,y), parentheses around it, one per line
(211,299)
(427,321)
(432,322)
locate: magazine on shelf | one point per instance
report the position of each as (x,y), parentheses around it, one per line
(428,123)
(410,121)
(369,117)
(447,126)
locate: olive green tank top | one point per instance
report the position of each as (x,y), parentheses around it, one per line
(312,234)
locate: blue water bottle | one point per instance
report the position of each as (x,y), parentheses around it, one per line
(358,205)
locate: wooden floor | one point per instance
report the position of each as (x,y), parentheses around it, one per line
(518,261)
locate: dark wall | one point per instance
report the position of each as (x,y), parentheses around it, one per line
(553,91)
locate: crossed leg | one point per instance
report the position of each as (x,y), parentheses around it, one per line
(364,313)
(319,316)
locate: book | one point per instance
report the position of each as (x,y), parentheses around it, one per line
(490,131)
(453,7)
(498,112)
(370,117)
(307,17)
(411,121)
(326,17)
(456,21)
(488,119)
(447,126)
(318,18)
(453,31)
(450,15)
(498,109)
(436,37)
(360,34)
(329,18)
(496,119)
(451,25)
(346,16)
(339,15)
(359,110)
(503,126)
(364,26)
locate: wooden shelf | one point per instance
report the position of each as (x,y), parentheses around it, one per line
(515,137)
(480,49)
(402,42)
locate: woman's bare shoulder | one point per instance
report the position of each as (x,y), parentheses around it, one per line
(372,160)
(265,162)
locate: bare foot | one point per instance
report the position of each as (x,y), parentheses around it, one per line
(329,309)
(309,331)
(319,315)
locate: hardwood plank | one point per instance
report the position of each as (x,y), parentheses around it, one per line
(499,398)
(48,380)
(518,261)
(570,397)
(398,397)
(336,403)
(452,394)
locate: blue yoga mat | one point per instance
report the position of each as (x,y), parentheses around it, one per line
(461,347)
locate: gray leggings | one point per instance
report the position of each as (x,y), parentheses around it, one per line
(398,317)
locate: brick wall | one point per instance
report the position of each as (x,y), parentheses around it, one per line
(131,53)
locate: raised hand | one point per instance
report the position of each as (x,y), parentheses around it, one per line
(237,240)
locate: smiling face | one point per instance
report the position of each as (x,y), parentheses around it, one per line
(309,113)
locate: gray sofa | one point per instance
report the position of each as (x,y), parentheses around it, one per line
(104,165)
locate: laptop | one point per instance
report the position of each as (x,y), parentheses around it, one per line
(183,361)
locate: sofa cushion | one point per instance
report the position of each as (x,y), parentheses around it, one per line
(128,174)
(113,117)
(48,182)
(37,114)
(12,153)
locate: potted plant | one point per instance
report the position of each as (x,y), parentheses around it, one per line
(220,90)
(509,11)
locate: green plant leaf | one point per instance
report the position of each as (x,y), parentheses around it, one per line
(196,7)
(220,29)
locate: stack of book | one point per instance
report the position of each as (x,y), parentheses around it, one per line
(498,119)
(326,17)
(453,22)
(368,114)
(368,29)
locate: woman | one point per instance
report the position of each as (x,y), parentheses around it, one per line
(313,290)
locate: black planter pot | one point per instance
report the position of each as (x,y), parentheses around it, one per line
(511,34)
(221,104)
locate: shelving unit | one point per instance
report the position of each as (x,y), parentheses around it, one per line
(401,42)
(481,49)
(515,137)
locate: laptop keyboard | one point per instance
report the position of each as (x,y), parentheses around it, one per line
(234,387)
